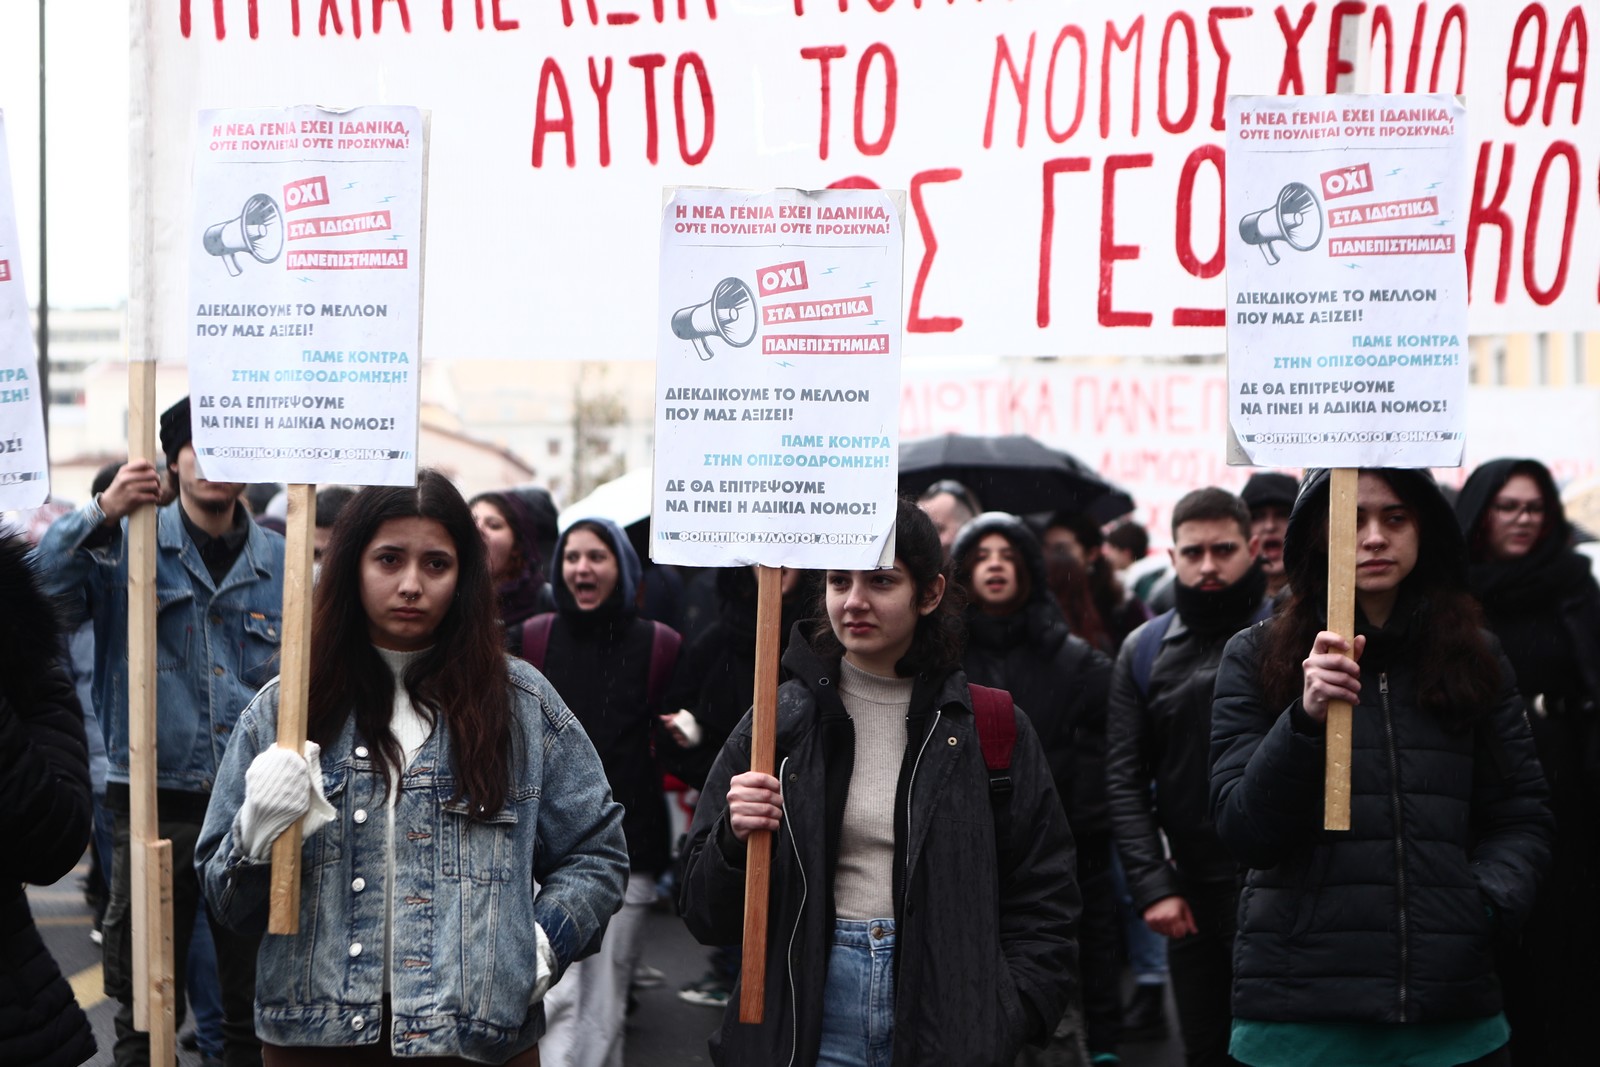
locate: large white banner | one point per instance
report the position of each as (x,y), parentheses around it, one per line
(305,276)
(1347,334)
(777,378)
(24,465)
(1063,162)
(1158,430)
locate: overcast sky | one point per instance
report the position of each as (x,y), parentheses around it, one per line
(87,144)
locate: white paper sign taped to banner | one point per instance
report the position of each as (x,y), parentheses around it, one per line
(24,461)
(1347,287)
(778,378)
(305,278)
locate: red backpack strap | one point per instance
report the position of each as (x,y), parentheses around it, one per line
(996,717)
(536,638)
(664,644)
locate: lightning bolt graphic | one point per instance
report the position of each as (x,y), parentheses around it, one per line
(351,185)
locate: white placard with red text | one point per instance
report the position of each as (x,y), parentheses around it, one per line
(777,378)
(1063,162)
(1347,289)
(305,275)
(24,462)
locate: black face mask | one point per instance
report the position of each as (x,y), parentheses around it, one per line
(1226,610)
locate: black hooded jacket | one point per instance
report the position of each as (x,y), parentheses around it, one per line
(1058,679)
(599,661)
(985,945)
(1393,921)
(1544,607)
(44,818)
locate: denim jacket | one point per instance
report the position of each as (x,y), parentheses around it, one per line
(216,644)
(464,962)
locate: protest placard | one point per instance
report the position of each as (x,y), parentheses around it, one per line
(1347,290)
(305,277)
(1063,162)
(778,378)
(24,464)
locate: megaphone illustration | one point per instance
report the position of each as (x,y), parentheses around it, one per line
(1295,218)
(730,314)
(258,230)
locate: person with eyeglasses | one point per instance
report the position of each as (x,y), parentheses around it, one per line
(1157,735)
(1542,602)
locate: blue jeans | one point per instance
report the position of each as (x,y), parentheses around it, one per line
(858,1000)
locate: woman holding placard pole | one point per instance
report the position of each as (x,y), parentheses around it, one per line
(1375,945)
(441,783)
(923,906)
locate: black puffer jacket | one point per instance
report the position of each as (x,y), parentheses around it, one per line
(1058,679)
(1394,920)
(986,942)
(44,819)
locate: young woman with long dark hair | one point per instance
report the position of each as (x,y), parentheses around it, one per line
(1540,599)
(461,846)
(920,912)
(1375,945)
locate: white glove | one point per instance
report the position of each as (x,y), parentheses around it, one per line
(281,787)
(546,966)
(684,728)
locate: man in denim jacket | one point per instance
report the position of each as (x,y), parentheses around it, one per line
(219,587)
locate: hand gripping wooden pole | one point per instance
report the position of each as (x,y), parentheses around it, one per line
(149,857)
(758,855)
(1342,621)
(294,686)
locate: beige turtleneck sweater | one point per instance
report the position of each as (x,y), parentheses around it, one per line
(863,881)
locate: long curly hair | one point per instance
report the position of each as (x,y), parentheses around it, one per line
(1458,677)
(462,681)
(941,636)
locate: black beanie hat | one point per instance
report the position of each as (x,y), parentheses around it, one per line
(1269,487)
(175,430)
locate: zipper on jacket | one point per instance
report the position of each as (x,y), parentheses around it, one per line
(911,788)
(799,916)
(1399,843)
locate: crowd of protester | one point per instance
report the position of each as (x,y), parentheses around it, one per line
(1031,780)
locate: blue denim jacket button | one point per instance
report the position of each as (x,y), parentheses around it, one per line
(360,815)
(355,949)
(358,885)
(357,1023)
(361,751)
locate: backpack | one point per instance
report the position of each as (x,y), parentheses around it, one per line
(995,715)
(664,644)
(1154,632)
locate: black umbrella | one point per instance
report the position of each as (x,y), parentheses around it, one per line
(1015,473)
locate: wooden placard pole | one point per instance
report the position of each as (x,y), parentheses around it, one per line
(1342,621)
(758,856)
(1355,43)
(150,858)
(294,686)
